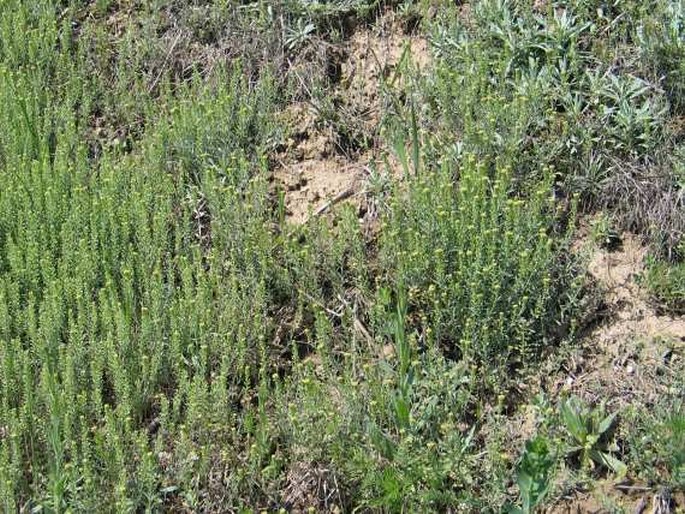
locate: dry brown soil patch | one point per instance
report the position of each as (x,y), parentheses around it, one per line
(328,154)
(634,356)
(635,352)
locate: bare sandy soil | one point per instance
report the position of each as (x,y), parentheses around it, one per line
(320,167)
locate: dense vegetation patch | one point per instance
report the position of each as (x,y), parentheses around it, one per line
(170,341)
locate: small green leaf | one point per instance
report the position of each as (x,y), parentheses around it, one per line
(606,424)
(533,473)
(610,462)
(573,420)
(401,411)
